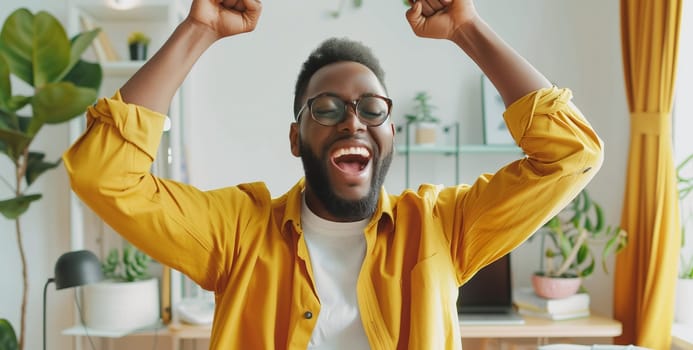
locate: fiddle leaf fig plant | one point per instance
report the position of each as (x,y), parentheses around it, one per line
(35,49)
(8,340)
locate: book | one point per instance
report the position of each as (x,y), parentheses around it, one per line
(103,47)
(568,315)
(525,298)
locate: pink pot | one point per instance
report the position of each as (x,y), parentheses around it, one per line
(555,287)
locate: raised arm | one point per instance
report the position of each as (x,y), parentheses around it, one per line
(154,85)
(458,21)
(562,151)
(109,165)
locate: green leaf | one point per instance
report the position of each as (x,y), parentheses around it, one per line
(79,44)
(16,44)
(57,103)
(15,142)
(8,339)
(588,270)
(5,86)
(36,166)
(85,74)
(599,213)
(582,254)
(13,208)
(51,54)
(17,102)
(358,3)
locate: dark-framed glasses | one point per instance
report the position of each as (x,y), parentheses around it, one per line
(329,109)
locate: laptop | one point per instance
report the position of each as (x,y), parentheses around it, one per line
(487,298)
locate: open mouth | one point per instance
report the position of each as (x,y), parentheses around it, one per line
(351,160)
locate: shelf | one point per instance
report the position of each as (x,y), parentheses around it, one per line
(120,68)
(150,11)
(469,148)
(82,330)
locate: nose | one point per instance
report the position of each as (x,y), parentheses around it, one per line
(351,123)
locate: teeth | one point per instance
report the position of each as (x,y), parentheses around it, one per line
(361,151)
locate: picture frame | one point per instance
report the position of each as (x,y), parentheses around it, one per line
(492,107)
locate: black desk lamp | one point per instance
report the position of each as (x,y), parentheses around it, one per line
(73,269)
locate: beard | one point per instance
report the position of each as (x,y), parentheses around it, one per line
(351,210)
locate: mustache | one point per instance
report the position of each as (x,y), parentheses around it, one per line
(362,138)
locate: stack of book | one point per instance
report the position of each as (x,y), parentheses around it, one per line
(530,304)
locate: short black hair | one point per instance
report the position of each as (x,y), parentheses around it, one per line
(335,50)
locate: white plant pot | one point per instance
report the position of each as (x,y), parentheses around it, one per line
(121,306)
(683,312)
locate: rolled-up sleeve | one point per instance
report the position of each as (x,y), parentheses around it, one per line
(500,211)
(109,169)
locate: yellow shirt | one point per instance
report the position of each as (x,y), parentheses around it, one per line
(249,249)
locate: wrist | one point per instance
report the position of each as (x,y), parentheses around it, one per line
(201,34)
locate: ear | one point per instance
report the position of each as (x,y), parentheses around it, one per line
(392,126)
(294,139)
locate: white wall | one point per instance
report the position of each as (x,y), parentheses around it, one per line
(242,92)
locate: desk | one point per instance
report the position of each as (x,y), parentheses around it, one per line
(681,337)
(541,329)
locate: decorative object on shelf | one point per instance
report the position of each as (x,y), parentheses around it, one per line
(492,106)
(530,304)
(128,299)
(103,47)
(73,269)
(683,310)
(426,124)
(570,257)
(36,50)
(138,43)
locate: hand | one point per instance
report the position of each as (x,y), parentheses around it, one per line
(440,19)
(226,17)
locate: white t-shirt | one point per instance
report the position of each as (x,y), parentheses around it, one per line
(336,250)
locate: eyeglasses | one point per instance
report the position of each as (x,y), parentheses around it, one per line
(329,109)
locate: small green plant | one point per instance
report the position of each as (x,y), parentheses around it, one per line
(138,38)
(126,265)
(423,110)
(571,232)
(685,187)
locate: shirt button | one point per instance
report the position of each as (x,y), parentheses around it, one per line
(308,315)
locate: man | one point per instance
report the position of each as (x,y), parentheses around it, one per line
(336,262)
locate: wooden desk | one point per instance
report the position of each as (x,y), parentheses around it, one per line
(540,329)
(593,326)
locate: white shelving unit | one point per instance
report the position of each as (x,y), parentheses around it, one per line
(157,19)
(455,149)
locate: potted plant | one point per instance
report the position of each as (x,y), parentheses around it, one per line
(35,49)
(425,122)
(569,257)
(138,43)
(129,297)
(684,285)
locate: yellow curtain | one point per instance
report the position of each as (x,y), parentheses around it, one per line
(645,273)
